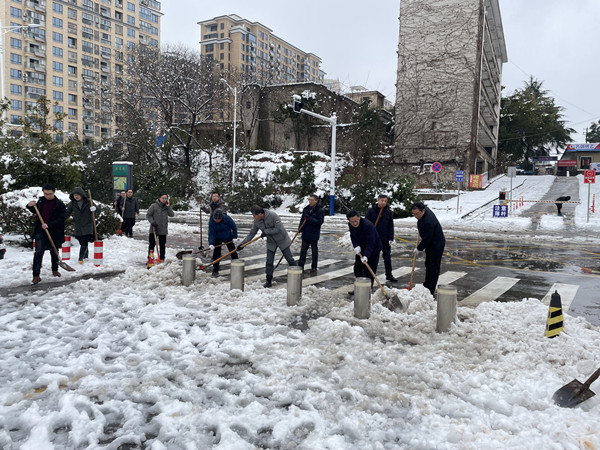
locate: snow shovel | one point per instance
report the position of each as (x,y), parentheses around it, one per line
(201,246)
(200,253)
(61,263)
(156,244)
(575,392)
(391,303)
(294,238)
(202,267)
(93,215)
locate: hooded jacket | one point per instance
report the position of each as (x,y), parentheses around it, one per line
(82,216)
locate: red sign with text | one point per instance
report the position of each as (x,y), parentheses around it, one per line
(589,176)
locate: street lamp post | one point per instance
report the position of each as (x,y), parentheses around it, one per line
(234,89)
(2,87)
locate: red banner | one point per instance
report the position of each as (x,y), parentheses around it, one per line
(567,163)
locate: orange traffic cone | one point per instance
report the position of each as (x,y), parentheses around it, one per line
(151,259)
(555,316)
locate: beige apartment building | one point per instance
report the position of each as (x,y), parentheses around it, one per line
(252,49)
(72,51)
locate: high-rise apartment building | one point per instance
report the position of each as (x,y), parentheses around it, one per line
(72,51)
(252,49)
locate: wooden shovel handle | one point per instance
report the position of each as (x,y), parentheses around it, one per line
(412,272)
(93,215)
(235,250)
(46,230)
(375,277)
(293,239)
(378,217)
(593,378)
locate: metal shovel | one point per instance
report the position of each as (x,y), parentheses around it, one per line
(392,303)
(575,392)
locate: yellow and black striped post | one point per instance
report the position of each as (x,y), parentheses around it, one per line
(555,316)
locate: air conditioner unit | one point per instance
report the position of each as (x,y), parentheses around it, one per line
(427,167)
(416,169)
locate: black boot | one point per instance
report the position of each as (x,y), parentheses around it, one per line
(268,283)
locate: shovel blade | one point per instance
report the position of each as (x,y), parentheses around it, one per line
(393,304)
(572,394)
(65,266)
(180,254)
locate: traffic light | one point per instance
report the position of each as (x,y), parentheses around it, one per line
(297,105)
(502,195)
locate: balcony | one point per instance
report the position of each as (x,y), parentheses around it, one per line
(36,66)
(88,119)
(88,133)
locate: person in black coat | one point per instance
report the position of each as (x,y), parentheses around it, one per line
(559,205)
(432,241)
(54,213)
(366,242)
(312,218)
(381,216)
(221,230)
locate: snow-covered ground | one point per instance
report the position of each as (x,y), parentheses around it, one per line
(140,361)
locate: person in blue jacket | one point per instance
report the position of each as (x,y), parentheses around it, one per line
(433,242)
(221,229)
(366,243)
(381,216)
(312,218)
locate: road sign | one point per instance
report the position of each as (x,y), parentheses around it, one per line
(512,172)
(589,176)
(436,167)
(459,176)
(500,210)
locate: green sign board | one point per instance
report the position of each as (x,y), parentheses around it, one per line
(120,170)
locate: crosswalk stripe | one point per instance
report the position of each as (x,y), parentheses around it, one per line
(450,277)
(283,272)
(567,294)
(490,291)
(227,262)
(399,272)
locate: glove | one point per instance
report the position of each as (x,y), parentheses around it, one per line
(391,242)
(239,248)
(364,259)
(236,241)
(357,250)
(263,235)
(417,252)
(92,208)
(211,247)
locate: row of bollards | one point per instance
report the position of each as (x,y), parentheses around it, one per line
(446,294)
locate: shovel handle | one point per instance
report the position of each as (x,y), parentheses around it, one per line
(293,239)
(233,251)
(46,230)
(593,378)
(93,215)
(376,279)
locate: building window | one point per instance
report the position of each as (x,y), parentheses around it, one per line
(57,95)
(72,13)
(58,23)
(72,112)
(73,86)
(15,43)
(72,98)
(15,59)
(58,124)
(57,37)
(57,51)
(57,81)
(130,7)
(130,33)
(131,20)
(15,12)
(72,70)
(57,7)
(15,74)
(57,66)
(57,109)
(17,105)
(118,15)
(209,48)
(15,120)
(16,89)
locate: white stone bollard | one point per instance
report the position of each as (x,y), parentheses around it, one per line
(362,298)
(188,272)
(446,307)
(294,285)
(237,274)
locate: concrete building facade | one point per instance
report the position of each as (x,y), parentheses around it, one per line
(450,57)
(74,55)
(251,49)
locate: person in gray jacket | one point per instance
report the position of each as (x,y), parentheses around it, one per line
(158,215)
(269,223)
(81,210)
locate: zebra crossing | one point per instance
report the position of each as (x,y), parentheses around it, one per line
(493,290)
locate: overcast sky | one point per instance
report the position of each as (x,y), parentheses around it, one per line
(553,40)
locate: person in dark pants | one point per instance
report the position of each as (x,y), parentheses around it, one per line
(559,205)
(312,218)
(269,223)
(54,213)
(132,209)
(158,215)
(366,242)
(221,229)
(432,241)
(381,216)
(81,210)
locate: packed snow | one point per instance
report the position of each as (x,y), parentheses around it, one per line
(136,360)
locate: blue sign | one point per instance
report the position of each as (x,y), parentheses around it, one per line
(500,210)
(459,176)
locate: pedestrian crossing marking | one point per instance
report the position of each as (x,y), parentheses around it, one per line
(567,294)
(450,277)
(283,272)
(399,272)
(490,291)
